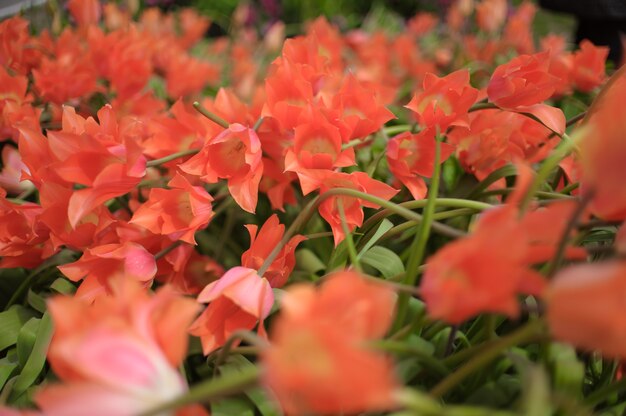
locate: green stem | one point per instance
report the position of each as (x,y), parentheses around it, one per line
(211,116)
(173,156)
(354,258)
(403,348)
(391,130)
(418,247)
(482,106)
(439,202)
(562,150)
(605,392)
(258,123)
(211,389)
(308,211)
(398,229)
(527,333)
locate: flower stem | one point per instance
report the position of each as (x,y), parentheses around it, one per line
(418,247)
(308,211)
(211,389)
(526,333)
(211,116)
(173,156)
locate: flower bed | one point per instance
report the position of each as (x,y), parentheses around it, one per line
(421,219)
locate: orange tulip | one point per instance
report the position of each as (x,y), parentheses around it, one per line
(318,361)
(177,212)
(523,84)
(237,301)
(585,307)
(99,265)
(411,156)
(118,355)
(262,242)
(444,101)
(235,155)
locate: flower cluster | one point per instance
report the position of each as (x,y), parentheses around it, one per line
(136,153)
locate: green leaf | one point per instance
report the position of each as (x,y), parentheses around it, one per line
(37,357)
(232,406)
(237,363)
(384,260)
(36,301)
(26,340)
(385,225)
(263,403)
(11,321)
(63,286)
(7,368)
(308,261)
(568,371)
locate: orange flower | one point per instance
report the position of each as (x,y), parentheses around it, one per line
(496,138)
(603,154)
(325,180)
(490,14)
(16,109)
(20,234)
(522,84)
(588,68)
(485,271)
(262,244)
(118,355)
(585,307)
(238,300)
(85,12)
(99,265)
(235,155)
(55,200)
(178,212)
(317,362)
(186,75)
(361,108)
(444,101)
(72,58)
(187,270)
(480,273)
(411,156)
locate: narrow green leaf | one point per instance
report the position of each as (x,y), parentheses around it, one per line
(63,286)
(384,260)
(37,357)
(308,261)
(36,301)
(6,370)
(232,406)
(11,321)
(26,340)
(385,225)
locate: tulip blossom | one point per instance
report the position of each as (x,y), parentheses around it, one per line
(603,154)
(117,356)
(177,212)
(485,271)
(234,155)
(522,85)
(262,242)
(318,362)
(237,301)
(585,307)
(99,265)
(588,69)
(411,156)
(20,234)
(325,180)
(444,101)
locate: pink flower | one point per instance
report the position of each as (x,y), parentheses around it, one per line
(238,300)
